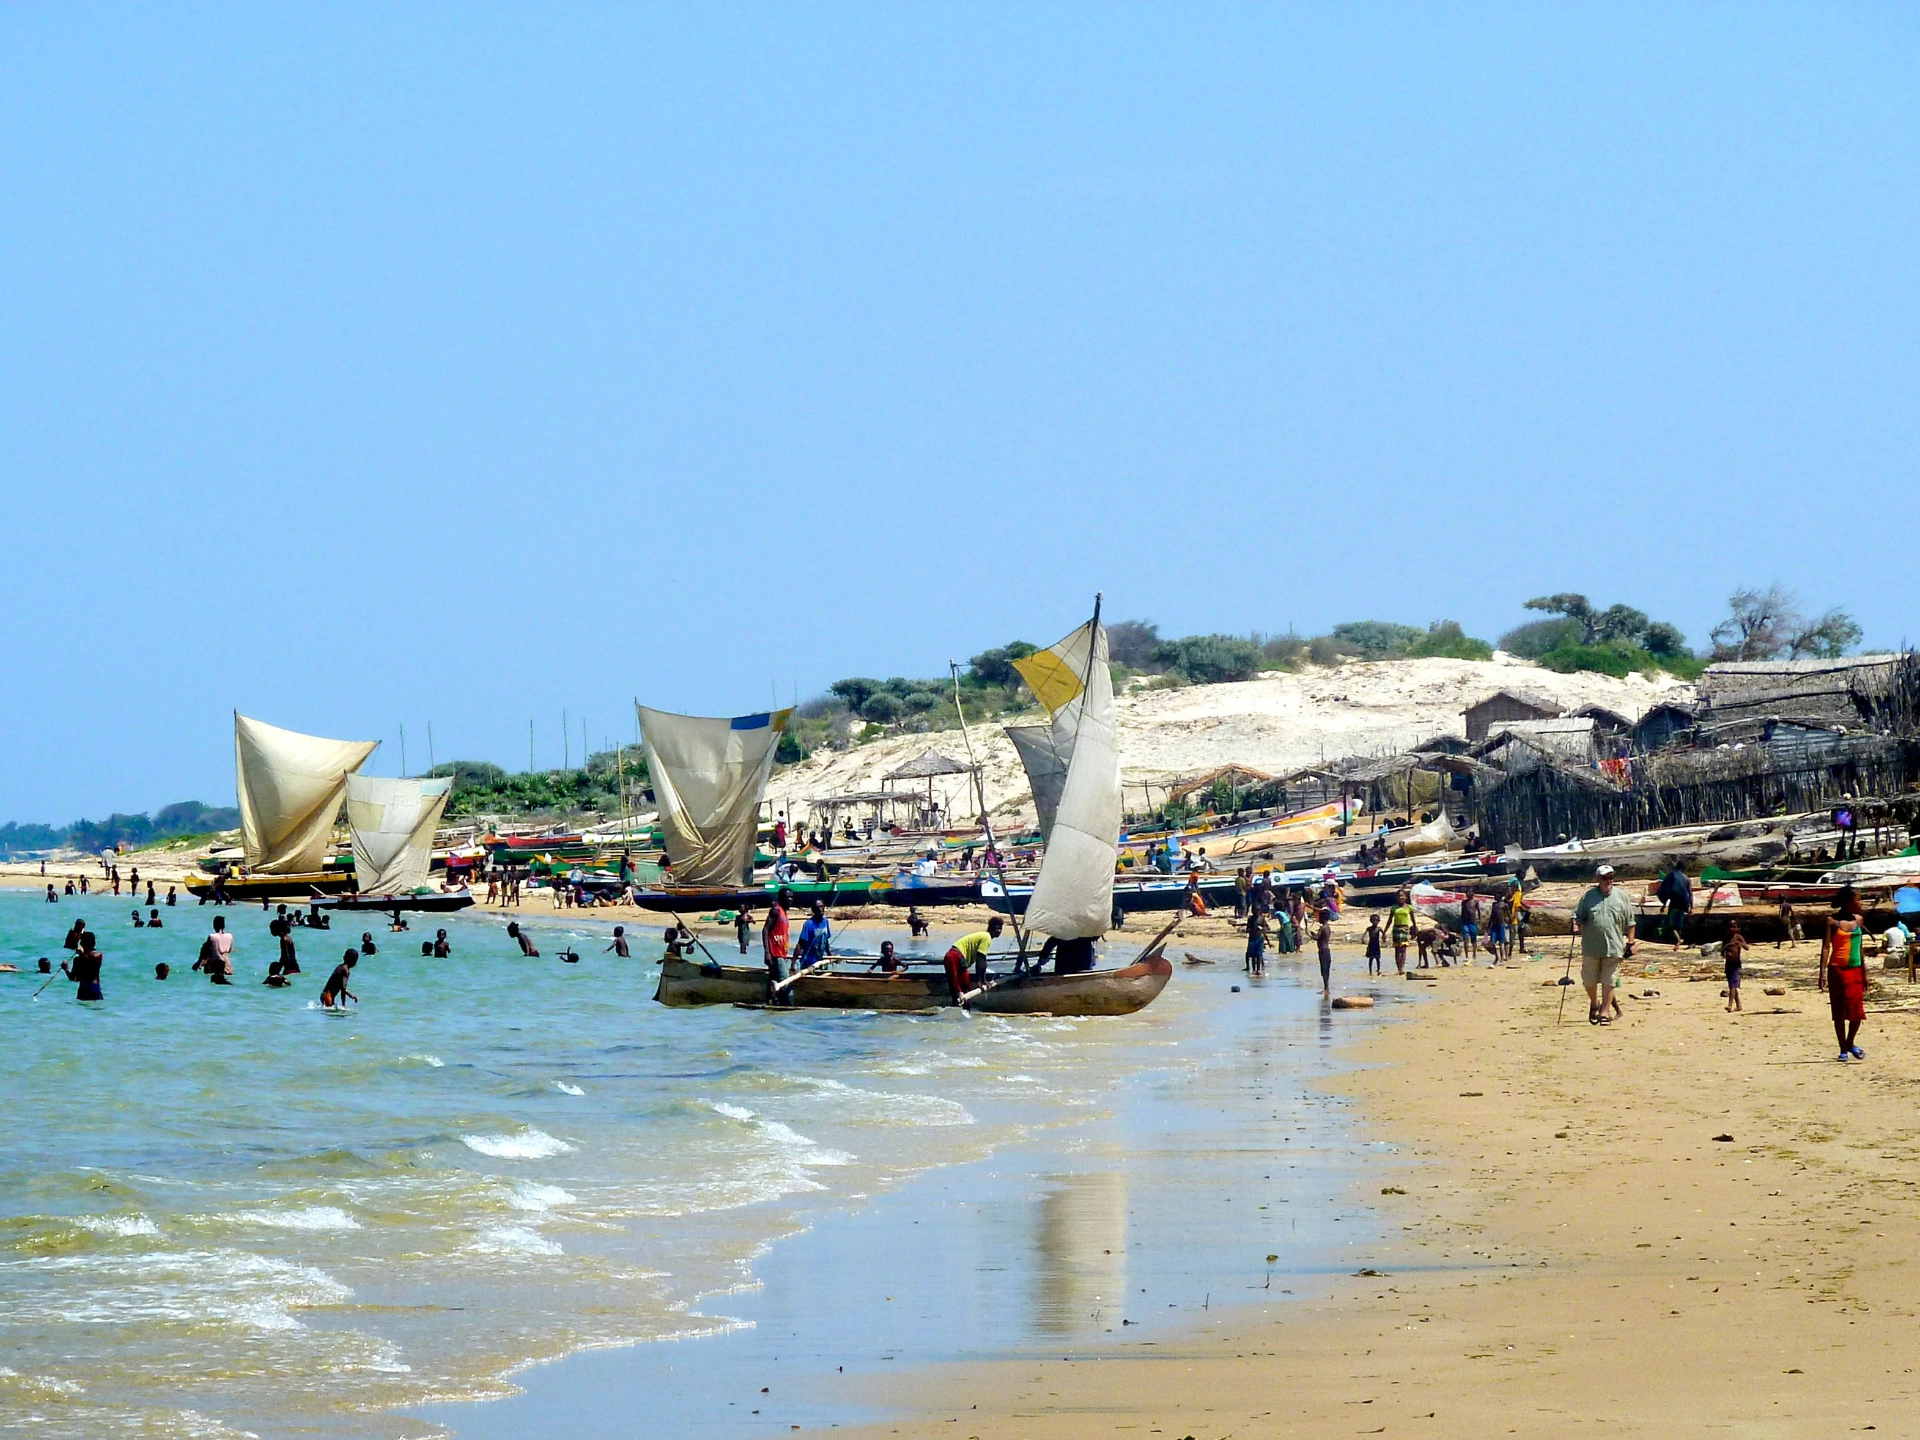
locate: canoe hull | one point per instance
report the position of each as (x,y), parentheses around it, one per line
(1093,992)
(276,887)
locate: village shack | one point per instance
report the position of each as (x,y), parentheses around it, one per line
(1503,706)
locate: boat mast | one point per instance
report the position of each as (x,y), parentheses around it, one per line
(986,816)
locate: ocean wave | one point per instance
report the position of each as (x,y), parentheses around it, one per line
(529,1144)
(514,1240)
(850,1102)
(118,1225)
(527,1195)
(226,1287)
(304,1217)
(565,1089)
(431,1061)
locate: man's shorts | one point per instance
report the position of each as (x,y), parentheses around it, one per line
(1598,970)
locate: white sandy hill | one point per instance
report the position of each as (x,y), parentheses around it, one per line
(1276,723)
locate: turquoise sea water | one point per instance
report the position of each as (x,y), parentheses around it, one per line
(223,1212)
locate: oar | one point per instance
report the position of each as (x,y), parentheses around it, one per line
(802,974)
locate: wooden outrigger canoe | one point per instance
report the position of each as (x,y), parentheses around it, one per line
(1089,992)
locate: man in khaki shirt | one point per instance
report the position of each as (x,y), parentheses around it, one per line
(1604,922)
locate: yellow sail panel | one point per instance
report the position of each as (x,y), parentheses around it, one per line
(1056,675)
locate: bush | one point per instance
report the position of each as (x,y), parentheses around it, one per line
(1326,650)
(1536,638)
(1132,643)
(1618,658)
(854,690)
(1209,659)
(882,707)
(1378,639)
(1445,640)
(995,667)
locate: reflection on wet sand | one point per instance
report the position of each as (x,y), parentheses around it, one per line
(1080,1279)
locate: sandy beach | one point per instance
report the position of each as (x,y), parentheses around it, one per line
(1685,1223)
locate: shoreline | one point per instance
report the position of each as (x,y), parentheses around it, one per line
(1043,1242)
(1576,1250)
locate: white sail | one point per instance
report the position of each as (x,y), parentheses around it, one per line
(393,823)
(1073,898)
(290,790)
(709,776)
(1045,759)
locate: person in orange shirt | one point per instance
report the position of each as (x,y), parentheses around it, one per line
(773,943)
(1843,975)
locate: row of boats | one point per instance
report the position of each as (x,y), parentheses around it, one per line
(709,779)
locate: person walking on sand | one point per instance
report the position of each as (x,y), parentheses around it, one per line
(1470,925)
(1323,942)
(1789,926)
(1677,892)
(1400,922)
(1373,943)
(1731,950)
(1604,922)
(1843,975)
(1256,942)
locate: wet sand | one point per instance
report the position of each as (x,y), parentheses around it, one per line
(1577,1251)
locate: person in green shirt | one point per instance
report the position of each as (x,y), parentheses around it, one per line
(1604,922)
(1400,922)
(968,954)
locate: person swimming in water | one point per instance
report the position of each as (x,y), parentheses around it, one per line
(619,946)
(154,922)
(275,977)
(367,947)
(162,970)
(888,961)
(441,948)
(526,945)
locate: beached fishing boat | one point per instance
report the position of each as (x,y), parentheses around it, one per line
(1071,901)
(291,787)
(1129,896)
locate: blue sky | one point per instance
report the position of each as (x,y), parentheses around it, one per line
(368,366)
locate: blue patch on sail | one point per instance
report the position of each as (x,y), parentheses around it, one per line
(752,722)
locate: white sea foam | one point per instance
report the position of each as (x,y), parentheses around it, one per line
(565,1089)
(119,1225)
(233,1287)
(433,1061)
(303,1217)
(529,1144)
(798,1147)
(528,1195)
(514,1240)
(849,1102)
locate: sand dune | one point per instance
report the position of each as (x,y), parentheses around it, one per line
(1275,723)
